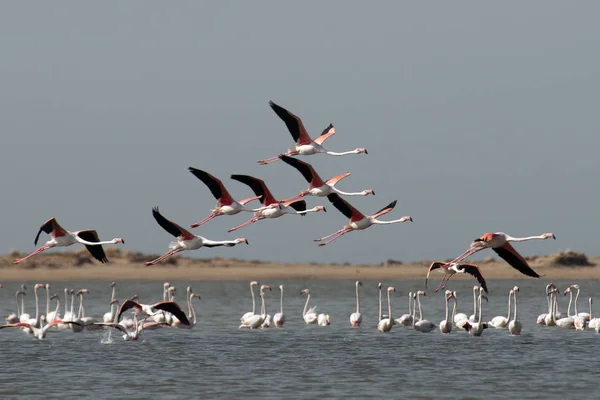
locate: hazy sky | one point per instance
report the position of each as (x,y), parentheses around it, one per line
(478,117)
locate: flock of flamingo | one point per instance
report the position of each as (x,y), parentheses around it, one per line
(169,313)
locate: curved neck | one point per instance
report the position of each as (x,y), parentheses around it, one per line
(508,315)
(570,301)
(515,316)
(479,319)
(552,307)
(57,308)
(389,307)
(454,308)
(17,298)
(281,302)
(253,300)
(263,305)
(447,309)
(192,309)
(357,301)
(72,302)
(23,303)
(414,313)
(306,304)
(548,299)
(420,311)
(576,298)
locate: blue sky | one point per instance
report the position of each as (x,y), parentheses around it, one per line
(477,117)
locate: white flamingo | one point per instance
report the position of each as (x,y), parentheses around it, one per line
(457,317)
(191,310)
(514,326)
(110,316)
(473,317)
(279,318)
(50,315)
(356,317)
(593,321)
(23,317)
(476,328)
(385,324)
(541,319)
(309,315)
(256,320)
(567,322)
(446,324)
(250,313)
(422,325)
(501,322)
(584,315)
(407,319)
(35,322)
(14,318)
(579,319)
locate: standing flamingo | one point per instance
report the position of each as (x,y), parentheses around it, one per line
(541,319)
(356,318)
(14,318)
(50,315)
(110,316)
(385,324)
(358,221)
(272,208)
(309,315)
(446,324)
(407,319)
(514,326)
(257,320)
(185,239)
(317,186)
(279,318)
(476,328)
(500,243)
(500,322)
(453,268)
(61,237)
(422,325)
(456,317)
(304,144)
(250,313)
(226,205)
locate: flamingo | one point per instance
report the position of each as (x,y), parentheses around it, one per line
(541,319)
(23,317)
(514,326)
(50,316)
(110,316)
(279,318)
(323,320)
(550,318)
(406,319)
(457,317)
(593,323)
(453,268)
(272,208)
(579,321)
(88,322)
(358,221)
(39,333)
(226,205)
(135,333)
(584,315)
(257,320)
(474,316)
(476,328)
(191,311)
(446,324)
(185,239)
(61,237)
(317,186)
(250,313)
(34,322)
(422,325)
(14,318)
(151,309)
(304,144)
(381,316)
(500,243)
(385,324)
(356,318)
(500,322)
(309,315)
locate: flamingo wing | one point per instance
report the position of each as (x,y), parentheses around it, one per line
(112,325)
(95,250)
(173,308)
(434,265)
(170,226)
(385,209)
(326,134)
(515,260)
(345,208)
(214,184)
(127,305)
(299,205)
(293,123)
(336,179)
(258,187)
(307,171)
(48,227)
(474,270)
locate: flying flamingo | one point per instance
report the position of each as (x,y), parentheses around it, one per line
(304,144)
(185,239)
(453,268)
(500,243)
(385,324)
(279,318)
(135,333)
(356,317)
(226,205)
(151,309)
(358,221)
(317,186)
(61,237)
(272,208)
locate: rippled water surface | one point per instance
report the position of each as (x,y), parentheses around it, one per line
(218,360)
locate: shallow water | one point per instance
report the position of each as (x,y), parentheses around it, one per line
(218,360)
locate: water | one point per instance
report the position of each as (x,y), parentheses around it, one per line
(216,360)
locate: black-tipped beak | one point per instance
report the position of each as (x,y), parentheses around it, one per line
(373,192)
(247,242)
(324,209)
(123,241)
(554,237)
(366,152)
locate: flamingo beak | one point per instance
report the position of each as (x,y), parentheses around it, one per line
(366,152)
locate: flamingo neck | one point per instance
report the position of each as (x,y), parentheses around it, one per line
(192,309)
(454,309)
(113,314)
(345,153)
(80,312)
(474,304)
(37,307)
(389,307)
(508,316)
(576,298)
(414,313)
(380,312)
(590,301)
(23,303)
(357,301)
(515,316)
(17,298)
(524,239)
(479,319)
(263,307)
(66,301)
(85,242)
(420,311)
(72,302)
(447,310)
(570,301)
(281,302)
(57,308)
(47,301)
(552,307)
(306,304)
(253,300)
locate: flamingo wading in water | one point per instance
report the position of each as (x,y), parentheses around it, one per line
(226,205)
(304,144)
(185,239)
(358,221)
(62,238)
(356,318)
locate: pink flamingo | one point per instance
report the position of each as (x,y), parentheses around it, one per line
(453,268)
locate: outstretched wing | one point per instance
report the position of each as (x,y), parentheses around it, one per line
(112,325)
(95,250)
(170,226)
(326,134)
(434,265)
(345,208)
(214,184)
(258,187)
(173,308)
(474,270)
(127,305)
(48,227)
(293,123)
(307,171)
(510,255)
(385,209)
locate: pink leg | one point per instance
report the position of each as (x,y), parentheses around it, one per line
(272,159)
(197,224)
(440,285)
(445,283)
(467,254)
(166,255)
(46,247)
(328,236)
(250,221)
(293,198)
(334,238)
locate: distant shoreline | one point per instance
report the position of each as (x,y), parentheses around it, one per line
(126,265)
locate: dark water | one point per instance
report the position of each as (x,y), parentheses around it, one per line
(216,360)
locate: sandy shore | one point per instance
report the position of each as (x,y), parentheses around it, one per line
(124,265)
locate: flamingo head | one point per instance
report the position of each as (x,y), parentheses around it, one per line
(549,235)
(83,291)
(196,295)
(304,192)
(369,191)
(118,240)
(72,291)
(21,293)
(166,285)
(54,296)
(391,289)
(454,294)
(135,297)
(254,283)
(39,286)
(280,287)
(553,290)
(358,283)
(320,208)
(115,301)
(171,289)
(379,285)
(422,293)
(361,150)
(516,289)
(567,290)
(306,291)
(265,287)
(242,240)
(475,288)
(407,218)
